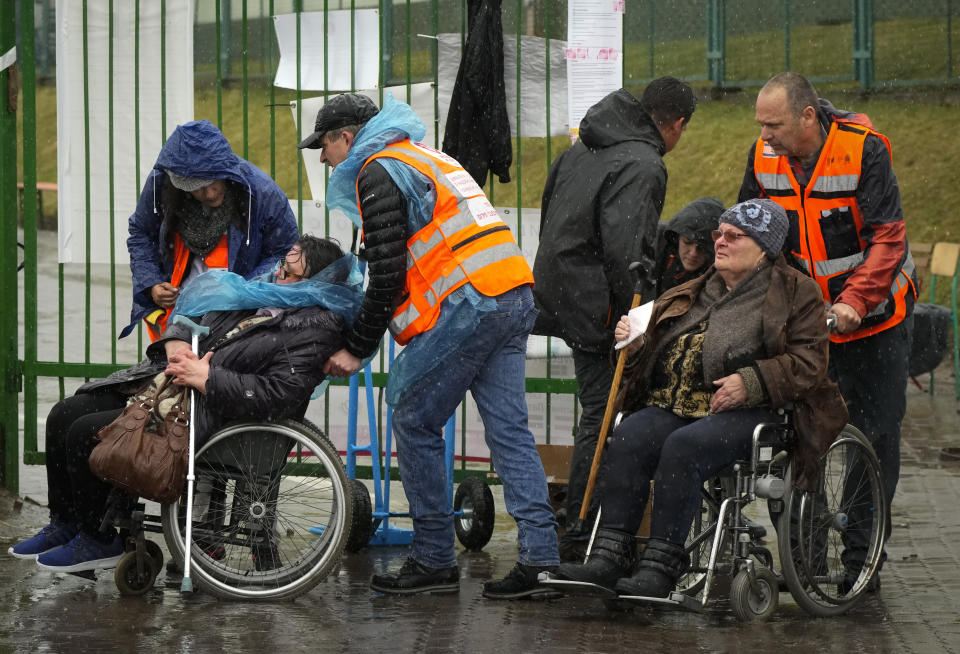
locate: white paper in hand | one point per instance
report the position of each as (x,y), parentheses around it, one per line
(639,319)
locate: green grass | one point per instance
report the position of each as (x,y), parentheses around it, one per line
(920,122)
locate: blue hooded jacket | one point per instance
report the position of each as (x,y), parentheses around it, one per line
(199,149)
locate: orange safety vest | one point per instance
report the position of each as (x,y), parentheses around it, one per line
(464,242)
(829,201)
(219,257)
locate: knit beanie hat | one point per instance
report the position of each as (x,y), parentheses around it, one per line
(188,184)
(763,220)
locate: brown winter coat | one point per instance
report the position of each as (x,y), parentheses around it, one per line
(796,342)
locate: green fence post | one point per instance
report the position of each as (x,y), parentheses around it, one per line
(863,42)
(716,42)
(787,23)
(949,39)
(28,140)
(9,368)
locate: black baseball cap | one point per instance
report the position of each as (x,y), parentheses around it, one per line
(340,111)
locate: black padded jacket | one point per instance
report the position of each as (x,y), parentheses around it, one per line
(264,372)
(384,211)
(599,213)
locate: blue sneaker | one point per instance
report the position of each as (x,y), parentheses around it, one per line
(82,553)
(55,534)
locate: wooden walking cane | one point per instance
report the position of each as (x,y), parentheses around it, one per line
(611,400)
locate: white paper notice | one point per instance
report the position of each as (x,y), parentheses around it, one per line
(594,54)
(639,319)
(366,51)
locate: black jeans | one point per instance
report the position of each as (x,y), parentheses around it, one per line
(872,375)
(678,454)
(594,376)
(76,494)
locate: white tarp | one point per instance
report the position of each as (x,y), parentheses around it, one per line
(127,94)
(366,50)
(533,88)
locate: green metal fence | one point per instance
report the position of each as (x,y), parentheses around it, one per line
(63,329)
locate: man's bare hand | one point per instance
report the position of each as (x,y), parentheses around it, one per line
(847,317)
(341,364)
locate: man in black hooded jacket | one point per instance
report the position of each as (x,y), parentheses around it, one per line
(600,209)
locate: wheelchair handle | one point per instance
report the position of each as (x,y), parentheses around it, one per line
(832,321)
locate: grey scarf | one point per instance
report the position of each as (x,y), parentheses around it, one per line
(201,227)
(734,331)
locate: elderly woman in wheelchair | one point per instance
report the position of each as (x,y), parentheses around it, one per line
(255,364)
(720,354)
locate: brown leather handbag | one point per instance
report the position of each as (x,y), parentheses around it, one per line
(143,452)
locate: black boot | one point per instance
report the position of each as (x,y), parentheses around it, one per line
(611,558)
(660,566)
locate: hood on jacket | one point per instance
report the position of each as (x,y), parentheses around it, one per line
(616,118)
(827,114)
(695,222)
(199,149)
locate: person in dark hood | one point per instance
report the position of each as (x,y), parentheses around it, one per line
(685,247)
(600,210)
(202,208)
(254,364)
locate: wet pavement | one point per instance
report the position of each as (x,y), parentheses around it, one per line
(915,611)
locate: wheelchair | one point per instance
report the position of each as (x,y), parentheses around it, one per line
(272,510)
(829,540)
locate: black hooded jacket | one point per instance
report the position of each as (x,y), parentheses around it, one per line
(264,372)
(478,128)
(599,213)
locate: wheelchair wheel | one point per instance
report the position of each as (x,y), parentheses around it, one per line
(754,604)
(474,513)
(831,539)
(129,580)
(271,512)
(361,526)
(700,541)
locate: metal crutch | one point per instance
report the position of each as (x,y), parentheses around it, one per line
(196,331)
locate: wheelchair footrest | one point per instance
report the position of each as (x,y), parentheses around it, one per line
(579,588)
(675,599)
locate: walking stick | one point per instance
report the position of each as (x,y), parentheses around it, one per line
(186,586)
(611,400)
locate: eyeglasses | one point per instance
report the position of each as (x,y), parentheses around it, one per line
(727,235)
(282,265)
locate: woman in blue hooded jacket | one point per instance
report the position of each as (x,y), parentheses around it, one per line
(202,207)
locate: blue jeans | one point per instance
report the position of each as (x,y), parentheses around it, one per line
(492,365)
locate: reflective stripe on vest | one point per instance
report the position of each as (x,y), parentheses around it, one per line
(831,196)
(466,241)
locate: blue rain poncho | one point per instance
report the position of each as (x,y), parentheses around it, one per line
(338,288)
(461,310)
